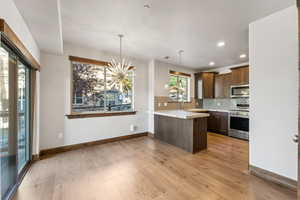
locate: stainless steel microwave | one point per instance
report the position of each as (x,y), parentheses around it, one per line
(239,91)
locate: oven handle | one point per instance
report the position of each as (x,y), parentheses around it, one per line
(246,117)
(240,96)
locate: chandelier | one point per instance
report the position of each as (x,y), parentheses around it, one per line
(119,71)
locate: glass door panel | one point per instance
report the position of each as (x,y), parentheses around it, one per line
(15,131)
(8,132)
(23,116)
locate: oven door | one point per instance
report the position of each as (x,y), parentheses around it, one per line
(241,91)
(239,127)
(239,123)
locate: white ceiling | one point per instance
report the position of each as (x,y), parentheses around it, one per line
(168,26)
(44,21)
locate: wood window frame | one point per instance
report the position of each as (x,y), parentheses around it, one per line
(92,61)
(14,39)
(179,73)
(75,115)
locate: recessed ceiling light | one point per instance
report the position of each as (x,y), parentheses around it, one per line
(147,6)
(243,56)
(212,64)
(221,44)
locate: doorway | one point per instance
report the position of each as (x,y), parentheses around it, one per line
(15,118)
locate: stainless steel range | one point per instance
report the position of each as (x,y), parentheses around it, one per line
(239,122)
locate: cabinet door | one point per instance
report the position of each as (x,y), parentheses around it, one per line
(208,80)
(219,86)
(226,85)
(246,75)
(214,122)
(222,85)
(236,77)
(210,122)
(240,76)
(218,122)
(198,86)
(223,123)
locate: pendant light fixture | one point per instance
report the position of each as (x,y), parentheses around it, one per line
(120,62)
(119,70)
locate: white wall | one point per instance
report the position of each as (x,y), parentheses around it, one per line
(12,16)
(151,95)
(36,122)
(274,92)
(55,103)
(162,77)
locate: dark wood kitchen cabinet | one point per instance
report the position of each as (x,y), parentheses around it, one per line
(240,75)
(222,85)
(219,89)
(218,122)
(208,85)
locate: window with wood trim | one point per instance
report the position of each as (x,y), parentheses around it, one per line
(97,88)
(179,87)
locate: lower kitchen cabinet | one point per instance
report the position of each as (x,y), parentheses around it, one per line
(218,122)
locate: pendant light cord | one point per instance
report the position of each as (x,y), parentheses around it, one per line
(121,36)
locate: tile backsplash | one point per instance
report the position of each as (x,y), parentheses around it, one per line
(164,103)
(224,104)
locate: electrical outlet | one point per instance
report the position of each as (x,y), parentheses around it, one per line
(166,104)
(159,104)
(219,104)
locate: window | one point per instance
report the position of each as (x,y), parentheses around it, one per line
(98,88)
(179,87)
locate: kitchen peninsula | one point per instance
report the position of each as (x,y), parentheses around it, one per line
(184,129)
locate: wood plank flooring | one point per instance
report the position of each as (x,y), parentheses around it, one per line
(144,168)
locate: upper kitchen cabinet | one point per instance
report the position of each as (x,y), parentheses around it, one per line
(222,85)
(240,76)
(204,85)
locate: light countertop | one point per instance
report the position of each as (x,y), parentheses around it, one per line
(181,114)
(206,110)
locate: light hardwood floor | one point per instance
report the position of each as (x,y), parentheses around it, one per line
(144,168)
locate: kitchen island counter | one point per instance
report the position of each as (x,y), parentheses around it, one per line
(181,114)
(186,130)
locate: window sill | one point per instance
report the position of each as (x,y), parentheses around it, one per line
(105,114)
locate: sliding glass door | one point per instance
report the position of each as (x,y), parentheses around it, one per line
(15,131)
(7,123)
(23,116)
